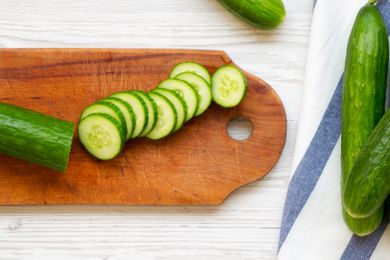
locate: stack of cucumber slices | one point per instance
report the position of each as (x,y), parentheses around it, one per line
(107,124)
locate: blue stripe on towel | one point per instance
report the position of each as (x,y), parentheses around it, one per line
(384,7)
(363,247)
(313,162)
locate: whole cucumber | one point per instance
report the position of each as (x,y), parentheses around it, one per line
(35,137)
(368,184)
(263,14)
(363,94)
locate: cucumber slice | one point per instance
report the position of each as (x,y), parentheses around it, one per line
(151,111)
(108,108)
(127,112)
(193,67)
(184,90)
(167,117)
(201,87)
(139,108)
(178,102)
(102,135)
(229,86)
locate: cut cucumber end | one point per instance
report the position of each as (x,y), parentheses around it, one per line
(229,86)
(101,135)
(192,67)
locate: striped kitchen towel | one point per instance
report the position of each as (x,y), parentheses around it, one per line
(312,224)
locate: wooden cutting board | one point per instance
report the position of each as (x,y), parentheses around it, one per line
(199,165)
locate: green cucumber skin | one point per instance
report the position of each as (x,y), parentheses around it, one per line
(262,14)
(372,172)
(35,137)
(364,226)
(363,93)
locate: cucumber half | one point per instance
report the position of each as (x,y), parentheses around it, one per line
(167,117)
(185,90)
(179,104)
(127,112)
(229,86)
(102,135)
(151,111)
(108,108)
(139,107)
(193,67)
(201,87)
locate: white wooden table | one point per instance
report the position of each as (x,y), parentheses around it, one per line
(247,225)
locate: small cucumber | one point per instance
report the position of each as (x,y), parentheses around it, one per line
(368,184)
(229,86)
(263,14)
(363,92)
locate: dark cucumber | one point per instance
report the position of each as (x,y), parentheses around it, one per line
(368,184)
(364,91)
(263,14)
(35,137)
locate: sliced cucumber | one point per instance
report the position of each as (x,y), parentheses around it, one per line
(167,117)
(127,112)
(152,111)
(185,90)
(201,87)
(193,67)
(102,135)
(229,86)
(108,108)
(179,104)
(139,108)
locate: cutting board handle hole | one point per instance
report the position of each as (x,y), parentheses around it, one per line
(239,128)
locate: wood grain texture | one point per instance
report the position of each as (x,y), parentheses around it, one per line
(247,225)
(199,165)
